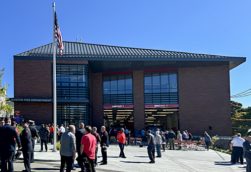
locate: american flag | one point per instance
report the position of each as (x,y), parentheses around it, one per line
(58,35)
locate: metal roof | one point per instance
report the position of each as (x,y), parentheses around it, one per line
(97,52)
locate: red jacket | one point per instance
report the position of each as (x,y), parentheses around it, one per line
(121,137)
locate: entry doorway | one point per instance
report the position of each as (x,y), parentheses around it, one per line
(162,118)
(117,118)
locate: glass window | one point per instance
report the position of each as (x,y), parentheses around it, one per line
(117,89)
(72,82)
(160,88)
(72,114)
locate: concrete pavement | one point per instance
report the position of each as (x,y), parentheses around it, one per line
(137,160)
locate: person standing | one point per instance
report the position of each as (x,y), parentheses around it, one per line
(208,140)
(151,146)
(44,134)
(61,131)
(34,136)
(8,145)
(237,149)
(171,137)
(79,134)
(179,139)
(26,142)
(163,140)
(247,150)
(51,129)
(158,140)
(68,149)
(104,145)
(127,134)
(88,148)
(95,133)
(121,138)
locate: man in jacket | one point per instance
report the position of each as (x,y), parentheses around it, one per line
(121,138)
(26,142)
(44,134)
(79,134)
(95,133)
(151,146)
(104,145)
(8,145)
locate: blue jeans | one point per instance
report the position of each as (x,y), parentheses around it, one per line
(158,150)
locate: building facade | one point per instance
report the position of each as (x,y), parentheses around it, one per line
(122,86)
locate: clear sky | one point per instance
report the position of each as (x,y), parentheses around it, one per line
(220,27)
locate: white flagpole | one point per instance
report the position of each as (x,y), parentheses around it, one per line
(54,82)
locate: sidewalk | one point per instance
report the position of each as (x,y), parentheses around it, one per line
(137,160)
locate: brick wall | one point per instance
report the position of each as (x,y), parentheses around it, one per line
(32,78)
(204,95)
(39,112)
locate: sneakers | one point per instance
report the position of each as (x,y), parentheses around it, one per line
(152,162)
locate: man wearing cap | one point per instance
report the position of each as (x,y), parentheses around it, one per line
(237,149)
(247,150)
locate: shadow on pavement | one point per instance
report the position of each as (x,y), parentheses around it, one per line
(47,160)
(141,156)
(112,156)
(45,169)
(134,162)
(225,163)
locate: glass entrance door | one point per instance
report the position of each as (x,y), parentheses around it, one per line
(118,118)
(162,118)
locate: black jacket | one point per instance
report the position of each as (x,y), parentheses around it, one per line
(79,134)
(104,139)
(25,137)
(34,132)
(247,149)
(9,138)
(44,134)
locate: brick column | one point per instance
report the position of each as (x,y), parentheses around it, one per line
(96,97)
(138,97)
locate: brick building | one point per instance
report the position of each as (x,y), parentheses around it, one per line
(121,86)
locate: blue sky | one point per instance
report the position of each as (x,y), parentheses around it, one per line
(209,26)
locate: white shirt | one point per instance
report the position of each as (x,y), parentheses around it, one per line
(237,141)
(62,129)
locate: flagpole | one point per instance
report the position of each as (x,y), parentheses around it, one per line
(54,82)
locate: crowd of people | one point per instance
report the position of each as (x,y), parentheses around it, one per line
(84,142)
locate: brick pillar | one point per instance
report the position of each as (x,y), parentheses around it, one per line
(96,97)
(138,97)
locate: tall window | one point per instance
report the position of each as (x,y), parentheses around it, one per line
(160,88)
(72,82)
(72,94)
(117,89)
